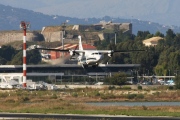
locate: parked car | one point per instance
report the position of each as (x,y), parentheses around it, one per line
(99,83)
(147,83)
(170,82)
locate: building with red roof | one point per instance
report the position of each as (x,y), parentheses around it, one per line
(55,55)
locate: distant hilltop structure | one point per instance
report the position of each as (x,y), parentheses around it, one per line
(89,33)
(125,27)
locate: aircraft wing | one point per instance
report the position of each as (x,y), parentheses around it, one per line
(79,51)
(51,49)
(127,51)
(72,52)
(111,52)
(120,51)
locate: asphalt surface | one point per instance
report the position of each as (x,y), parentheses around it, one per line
(79,117)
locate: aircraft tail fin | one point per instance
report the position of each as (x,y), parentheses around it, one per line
(80,43)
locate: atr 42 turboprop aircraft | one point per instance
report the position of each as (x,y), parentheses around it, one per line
(89,57)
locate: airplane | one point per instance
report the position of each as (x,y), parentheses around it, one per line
(88,57)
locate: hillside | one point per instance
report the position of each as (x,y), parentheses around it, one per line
(11,17)
(159,11)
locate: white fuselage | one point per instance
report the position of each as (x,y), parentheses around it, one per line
(90,57)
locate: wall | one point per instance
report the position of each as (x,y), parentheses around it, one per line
(12,36)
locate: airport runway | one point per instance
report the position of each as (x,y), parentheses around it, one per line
(79,117)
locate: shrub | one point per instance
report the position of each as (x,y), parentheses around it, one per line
(126,88)
(19,93)
(144,107)
(111,87)
(3,95)
(139,87)
(10,101)
(108,96)
(97,93)
(171,88)
(156,94)
(75,94)
(140,96)
(131,96)
(23,99)
(54,96)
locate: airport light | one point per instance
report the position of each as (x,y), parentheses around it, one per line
(24,26)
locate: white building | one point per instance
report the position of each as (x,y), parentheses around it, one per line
(152,41)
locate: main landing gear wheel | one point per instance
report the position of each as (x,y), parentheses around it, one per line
(85,66)
(94,66)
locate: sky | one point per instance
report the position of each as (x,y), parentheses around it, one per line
(159,11)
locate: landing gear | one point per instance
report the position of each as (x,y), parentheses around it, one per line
(85,66)
(94,66)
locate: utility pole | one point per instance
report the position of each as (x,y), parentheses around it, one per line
(24,26)
(63,33)
(115,38)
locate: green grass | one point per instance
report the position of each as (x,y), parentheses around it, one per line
(73,102)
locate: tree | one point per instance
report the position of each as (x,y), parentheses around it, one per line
(143,34)
(159,34)
(2,61)
(170,34)
(33,57)
(7,52)
(17,59)
(176,42)
(177,81)
(170,37)
(118,79)
(157,59)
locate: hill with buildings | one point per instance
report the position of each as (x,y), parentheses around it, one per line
(159,11)
(11,17)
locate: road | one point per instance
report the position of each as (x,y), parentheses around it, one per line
(79,117)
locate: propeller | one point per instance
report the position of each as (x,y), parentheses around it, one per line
(111,46)
(73,52)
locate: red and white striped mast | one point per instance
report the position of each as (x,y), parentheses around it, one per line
(24,26)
